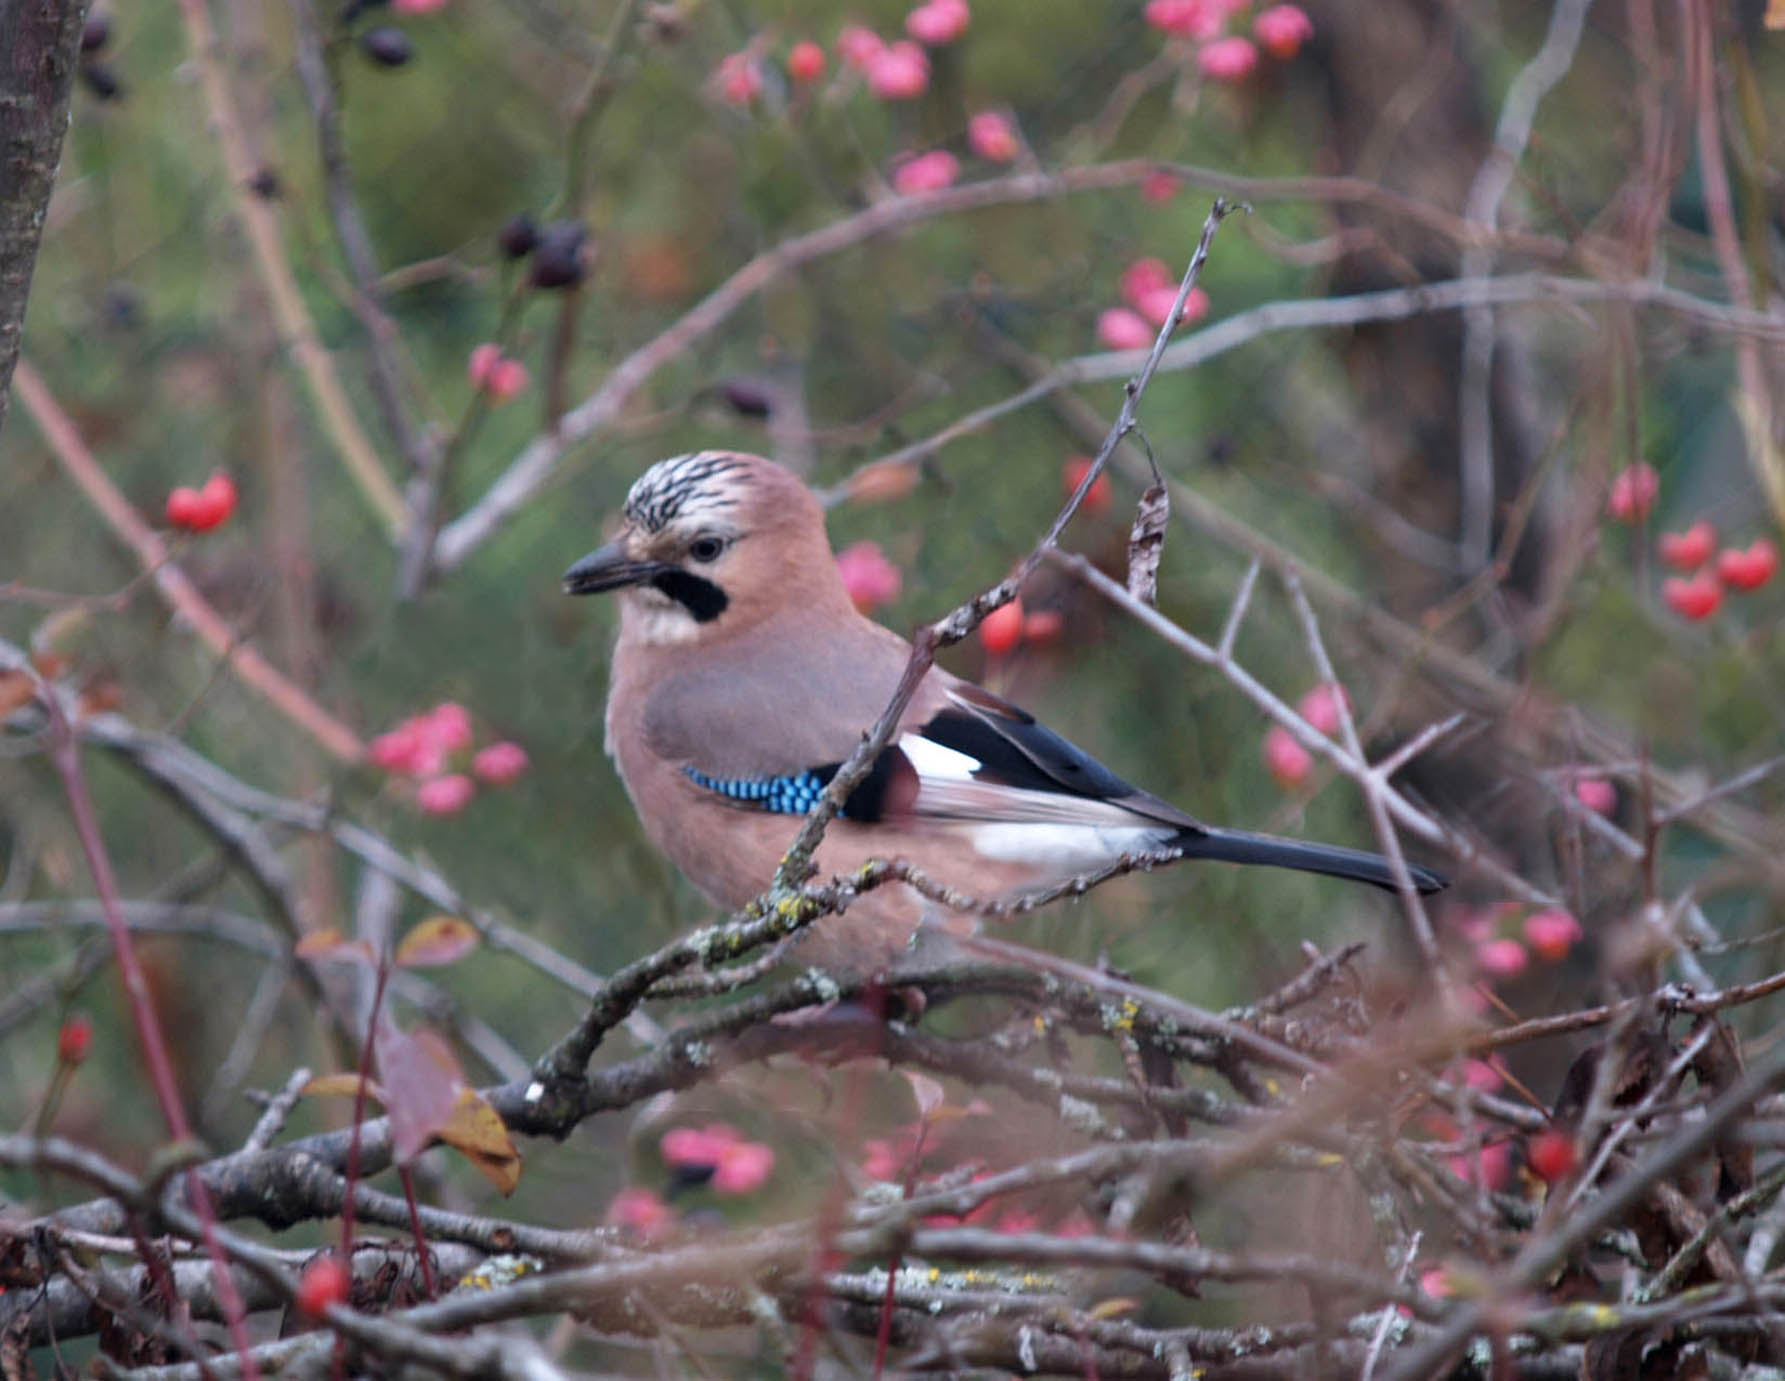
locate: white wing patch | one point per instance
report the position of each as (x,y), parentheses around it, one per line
(1065,848)
(934,763)
(947,788)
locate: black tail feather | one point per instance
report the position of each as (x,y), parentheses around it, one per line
(1237,846)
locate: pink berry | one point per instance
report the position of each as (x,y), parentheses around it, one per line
(1120,328)
(500,763)
(446,795)
(483,359)
(1285,759)
(927,172)
(1633,493)
(1228,59)
(397,750)
(744,1167)
(991,135)
(869,577)
(938,22)
(1144,277)
(1282,29)
(641,1212)
(1502,958)
(1184,18)
(859,47)
(1159,187)
(507,380)
(1552,934)
(1597,795)
(738,78)
(449,725)
(1321,706)
(899,72)
(1156,306)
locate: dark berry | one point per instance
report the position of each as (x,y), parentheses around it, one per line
(102,81)
(748,397)
(519,237)
(558,258)
(265,185)
(386,46)
(95,32)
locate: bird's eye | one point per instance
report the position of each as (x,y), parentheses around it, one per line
(706,548)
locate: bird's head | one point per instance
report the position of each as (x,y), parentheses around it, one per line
(711,543)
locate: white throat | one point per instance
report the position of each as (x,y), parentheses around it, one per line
(654,619)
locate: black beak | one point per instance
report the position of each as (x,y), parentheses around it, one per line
(609,568)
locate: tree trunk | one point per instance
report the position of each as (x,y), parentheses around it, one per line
(39,46)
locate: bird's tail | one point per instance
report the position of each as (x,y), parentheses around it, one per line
(1237,846)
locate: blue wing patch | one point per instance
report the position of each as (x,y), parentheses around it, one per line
(791,795)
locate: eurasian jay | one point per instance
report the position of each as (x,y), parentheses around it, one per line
(743,676)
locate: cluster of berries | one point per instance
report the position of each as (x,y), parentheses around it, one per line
(428,745)
(1705,573)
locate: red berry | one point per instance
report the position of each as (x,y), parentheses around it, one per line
(183,507)
(1688,550)
(805,62)
(325,1282)
(1552,1155)
(1003,629)
(1073,475)
(1750,569)
(1694,599)
(216,501)
(75,1039)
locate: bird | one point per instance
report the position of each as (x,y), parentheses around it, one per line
(743,676)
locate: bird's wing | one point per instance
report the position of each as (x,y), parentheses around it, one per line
(981,757)
(766,725)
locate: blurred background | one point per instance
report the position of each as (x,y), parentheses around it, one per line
(1511,573)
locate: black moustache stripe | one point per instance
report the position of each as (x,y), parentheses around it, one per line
(703,600)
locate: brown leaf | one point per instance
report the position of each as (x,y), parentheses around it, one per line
(1146,543)
(1718,1065)
(477,1132)
(330,943)
(16,690)
(422,1081)
(437,942)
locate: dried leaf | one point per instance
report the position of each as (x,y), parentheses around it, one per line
(422,1082)
(1146,543)
(437,942)
(477,1132)
(1775,14)
(925,1091)
(1112,1308)
(340,1086)
(330,943)
(16,690)
(1718,1066)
